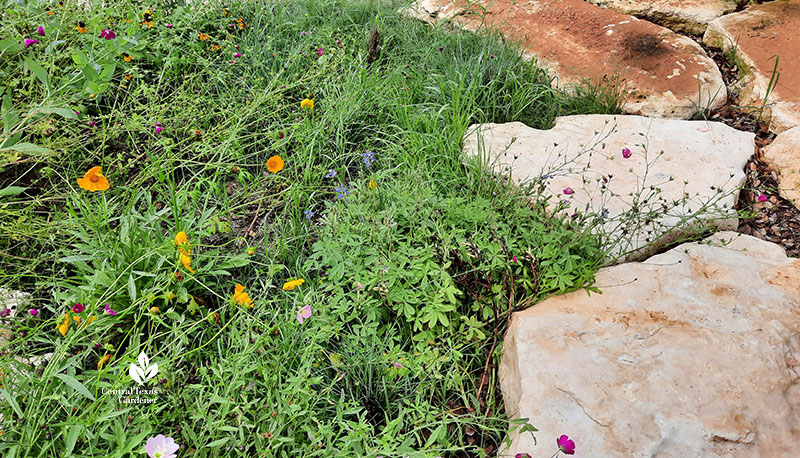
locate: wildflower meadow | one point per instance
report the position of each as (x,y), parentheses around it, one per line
(246,229)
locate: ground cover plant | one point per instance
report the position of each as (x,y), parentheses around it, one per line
(247,226)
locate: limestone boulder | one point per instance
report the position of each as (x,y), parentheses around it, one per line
(690,16)
(783,154)
(664,74)
(693,353)
(677,174)
(757,35)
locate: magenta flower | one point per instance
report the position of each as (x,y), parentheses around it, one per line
(108,34)
(78,308)
(566,445)
(158,128)
(33,312)
(762,197)
(304,313)
(320,51)
(109,310)
(513,259)
(5,313)
(338,42)
(626,153)
(30,42)
(161,447)
(40,30)
(169,26)
(397,365)
(522,455)
(238,54)
(91,123)
(568,191)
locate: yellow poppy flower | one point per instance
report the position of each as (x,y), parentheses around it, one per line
(372,184)
(181,240)
(187,261)
(307,103)
(290,285)
(103,360)
(93,180)
(240,297)
(275,164)
(64,326)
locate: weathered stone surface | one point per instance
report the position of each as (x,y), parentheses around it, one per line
(690,16)
(11,300)
(759,34)
(784,155)
(697,160)
(665,74)
(694,353)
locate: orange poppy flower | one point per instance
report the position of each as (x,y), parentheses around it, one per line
(103,360)
(93,180)
(202,36)
(290,285)
(275,164)
(240,297)
(187,262)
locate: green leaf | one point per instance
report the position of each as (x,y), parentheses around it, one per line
(10,46)
(218,442)
(12,402)
(38,70)
(76,385)
(131,288)
(11,191)
(72,437)
(26,148)
(63,112)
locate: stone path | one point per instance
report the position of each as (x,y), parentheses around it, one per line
(694,353)
(689,164)
(666,74)
(758,34)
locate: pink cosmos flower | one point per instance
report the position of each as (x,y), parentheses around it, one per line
(40,30)
(762,197)
(320,51)
(33,312)
(626,153)
(30,42)
(304,313)
(568,191)
(238,54)
(161,447)
(566,445)
(78,308)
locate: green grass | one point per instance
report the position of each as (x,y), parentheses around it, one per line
(417,270)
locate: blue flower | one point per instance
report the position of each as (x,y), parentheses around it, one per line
(369,158)
(342,192)
(331,174)
(308,214)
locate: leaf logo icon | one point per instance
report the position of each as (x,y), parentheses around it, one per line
(144,371)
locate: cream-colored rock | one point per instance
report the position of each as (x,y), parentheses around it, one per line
(758,35)
(690,16)
(784,155)
(664,74)
(694,167)
(693,353)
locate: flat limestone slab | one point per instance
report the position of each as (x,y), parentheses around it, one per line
(690,16)
(759,34)
(694,353)
(580,162)
(667,75)
(783,154)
